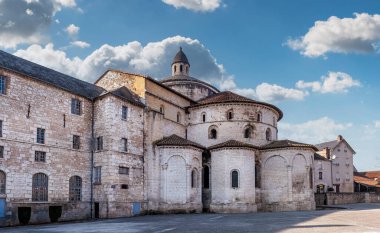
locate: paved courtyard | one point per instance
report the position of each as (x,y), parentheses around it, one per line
(357,218)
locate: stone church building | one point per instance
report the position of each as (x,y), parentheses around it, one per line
(129,144)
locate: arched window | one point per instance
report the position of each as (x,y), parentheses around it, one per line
(268,134)
(178,117)
(257,175)
(206,177)
(258,117)
(248,132)
(230,114)
(234,179)
(194,178)
(212,132)
(203,117)
(180,68)
(75,187)
(175,68)
(2,182)
(311,178)
(40,187)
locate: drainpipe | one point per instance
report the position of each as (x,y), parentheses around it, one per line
(143,158)
(92,157)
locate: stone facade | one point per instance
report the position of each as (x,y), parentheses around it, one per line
(145,147)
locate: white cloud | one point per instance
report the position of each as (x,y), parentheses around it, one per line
(360,34)
(195,5)
(153,59)
(27,22)
(264,91)
(72,30)
(376,124)
(80,44)
(334,82)
(313,131)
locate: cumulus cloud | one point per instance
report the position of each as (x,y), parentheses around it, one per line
(360,34)
(152,59)
(376,124)
(195,5)
(26,21)
(334,82)
(265,91)
(80,44)
(72,30)
(313,131)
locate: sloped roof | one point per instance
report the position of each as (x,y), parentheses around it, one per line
(319,157)
(369,174)
(332,144)
(182,77)
(125,94)
(230,97)
(180,57)
(49,76)
(232,143)
(286,144)
(175,140)
(361,178)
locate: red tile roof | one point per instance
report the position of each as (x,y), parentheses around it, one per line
(368,178)
(175,140)
(232,143)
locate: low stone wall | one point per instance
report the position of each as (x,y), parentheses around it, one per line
(346,198)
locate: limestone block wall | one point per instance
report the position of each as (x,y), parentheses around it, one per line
(114,200)
(243,115)
(180,179)
(224,197)
(29,105)
(287,182)
(193,90)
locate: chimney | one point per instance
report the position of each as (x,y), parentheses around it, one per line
(339,138)
(327,152)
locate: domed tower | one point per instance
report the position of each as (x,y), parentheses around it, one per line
(183,83)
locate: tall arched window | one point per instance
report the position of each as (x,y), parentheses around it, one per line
(268,134)
(206,177)
(75,187)
(213,134)
(180,68)
(258,117)
(311,178)
(230,114)
(178,117)
(2,182)
(194,178)
(257,176)
(175,68)
(248,132)
(234,179)
(40,187)
(203,115)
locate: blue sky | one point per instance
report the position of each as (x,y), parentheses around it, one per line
(317,60)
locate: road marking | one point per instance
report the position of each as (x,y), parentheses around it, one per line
(165,230)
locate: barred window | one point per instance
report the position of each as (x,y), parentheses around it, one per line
(124,112)
(124,144)
(99,143)
(1,152)
(235,179)
(75,187)
(3,85)
(1,128)
(76,142)
(98,175)
(41,135)
(2,182)
(124,170)
(40,187)
(40,156)
(76,106)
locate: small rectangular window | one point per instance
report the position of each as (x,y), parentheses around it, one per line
(98,175)
(124,112)
(99,143)
(3,85)
(76,106)
(41,135)
(76,142)
(124,144)
(40,156)
(124,170)
(1,152)
(320,175)
(1,128)
(124,186)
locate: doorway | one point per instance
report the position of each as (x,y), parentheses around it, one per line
(96,209)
